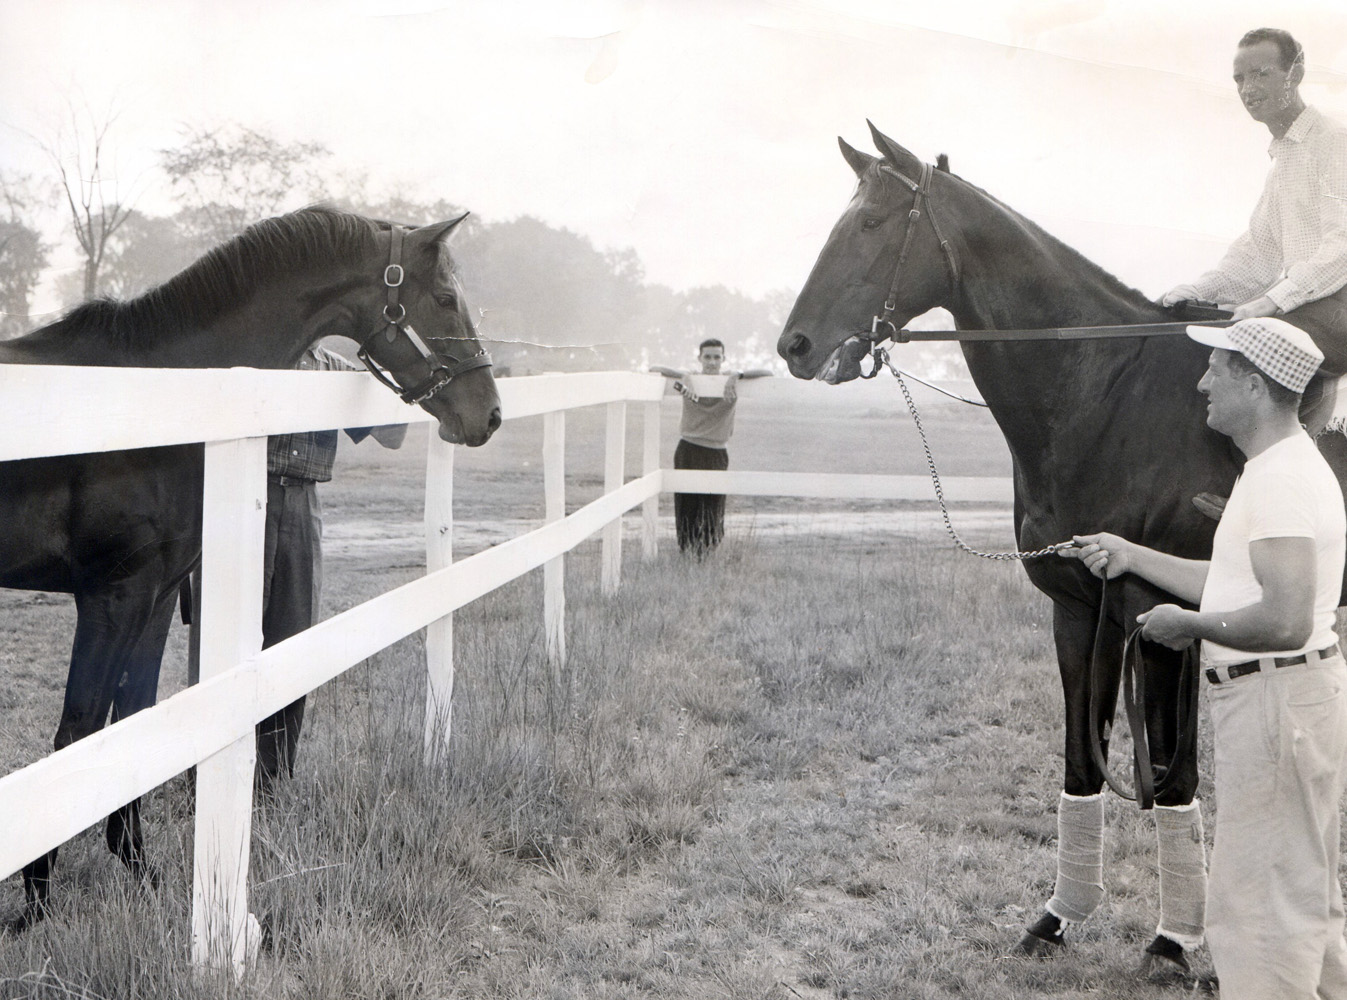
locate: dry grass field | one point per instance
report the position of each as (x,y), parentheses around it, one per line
(822,763)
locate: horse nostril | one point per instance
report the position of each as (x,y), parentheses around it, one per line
(493,422)
(799,346)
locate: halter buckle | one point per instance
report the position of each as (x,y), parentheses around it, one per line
(390,272)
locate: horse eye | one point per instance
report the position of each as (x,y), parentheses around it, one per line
(870,224)
(449,300)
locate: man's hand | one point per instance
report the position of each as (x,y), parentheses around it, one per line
(731,393)
(686,390)
(1261,306)
(1179,293)
(1167,624)
(1104,555)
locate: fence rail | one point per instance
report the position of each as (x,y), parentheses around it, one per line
(210,725)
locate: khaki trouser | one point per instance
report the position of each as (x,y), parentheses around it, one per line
(1275,907)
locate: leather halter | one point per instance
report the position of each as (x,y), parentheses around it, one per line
(395,323)
(921,192)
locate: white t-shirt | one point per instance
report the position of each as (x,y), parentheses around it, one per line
(1287,491)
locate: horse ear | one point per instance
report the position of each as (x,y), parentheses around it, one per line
(857,160)
(437,232)
(905,162)
(942,162)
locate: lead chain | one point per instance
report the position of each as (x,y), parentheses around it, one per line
(940,493)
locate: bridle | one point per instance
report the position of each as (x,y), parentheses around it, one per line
(395,323)
(921,192)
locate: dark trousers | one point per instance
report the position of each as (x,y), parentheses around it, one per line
(699,517)
(291,582)
(1325,320)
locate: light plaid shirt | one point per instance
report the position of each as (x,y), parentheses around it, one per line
(1295,249)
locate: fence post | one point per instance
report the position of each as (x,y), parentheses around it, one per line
(439,633)
(649,464)
(233,527)
(554,570)
(614,455)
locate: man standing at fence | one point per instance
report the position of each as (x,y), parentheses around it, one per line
(293,554)
(704,436)
(1277,684)
(1292,260)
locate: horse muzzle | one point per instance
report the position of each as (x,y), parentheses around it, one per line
(844,364)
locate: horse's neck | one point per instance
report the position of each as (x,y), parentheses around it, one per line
(269,330)
(1015,276)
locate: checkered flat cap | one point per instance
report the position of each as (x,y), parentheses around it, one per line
(1282,352)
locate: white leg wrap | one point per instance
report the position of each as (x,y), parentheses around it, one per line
(1080,857)
(1183,873)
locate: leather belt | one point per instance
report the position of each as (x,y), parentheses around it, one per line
(287,480)
(1226,672)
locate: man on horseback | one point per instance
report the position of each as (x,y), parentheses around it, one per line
(1277,683)
(1292,260)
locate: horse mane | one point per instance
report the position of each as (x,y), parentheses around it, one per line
(225,276)
(1071,256)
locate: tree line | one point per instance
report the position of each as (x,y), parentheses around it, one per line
(548,298)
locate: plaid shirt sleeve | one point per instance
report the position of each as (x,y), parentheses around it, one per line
(1295,249)
(311,454)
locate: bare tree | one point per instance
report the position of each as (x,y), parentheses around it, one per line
(23,254)
(230,176)
(81,152)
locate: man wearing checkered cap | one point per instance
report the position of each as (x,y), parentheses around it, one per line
(1292,260)
(1276,681)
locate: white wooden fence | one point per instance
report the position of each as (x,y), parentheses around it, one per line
(64,410)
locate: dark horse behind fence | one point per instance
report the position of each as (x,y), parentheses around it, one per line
(1106,434)
(122,530)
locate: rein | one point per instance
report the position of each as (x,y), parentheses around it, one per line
(395,323)
(1148,780)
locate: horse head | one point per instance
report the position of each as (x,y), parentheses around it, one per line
(883,263)
(424,336)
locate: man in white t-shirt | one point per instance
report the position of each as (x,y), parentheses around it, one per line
(1277,684)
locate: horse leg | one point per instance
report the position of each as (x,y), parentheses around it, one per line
(1079,887)
(109,625)
(138,690)
(1180,839)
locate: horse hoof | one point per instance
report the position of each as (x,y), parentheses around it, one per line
(1043,939)
(1033,946)
(30,915)
(1165,962)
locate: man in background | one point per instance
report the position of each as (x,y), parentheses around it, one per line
(704,436)
(293,553)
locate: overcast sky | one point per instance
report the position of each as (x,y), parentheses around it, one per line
(703,134)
